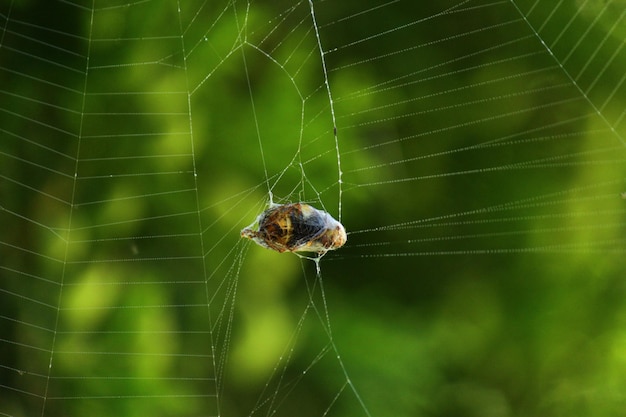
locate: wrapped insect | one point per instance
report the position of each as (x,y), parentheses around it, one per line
(296,227)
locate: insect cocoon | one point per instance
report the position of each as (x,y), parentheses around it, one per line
(296,227)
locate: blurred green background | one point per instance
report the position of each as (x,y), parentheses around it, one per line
(482,156)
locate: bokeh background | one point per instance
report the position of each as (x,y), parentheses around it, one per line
(482,170)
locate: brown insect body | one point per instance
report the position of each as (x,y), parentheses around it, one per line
(296,227)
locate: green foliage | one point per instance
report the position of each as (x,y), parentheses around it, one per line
(483,275)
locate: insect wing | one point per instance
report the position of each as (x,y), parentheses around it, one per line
(306,226)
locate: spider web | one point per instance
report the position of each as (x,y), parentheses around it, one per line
(474,150)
